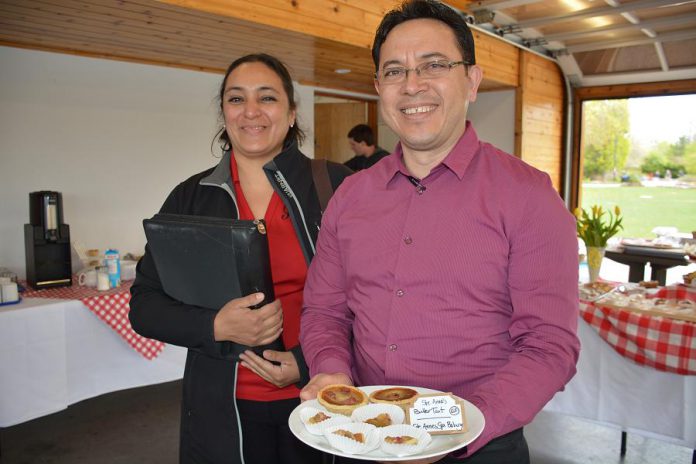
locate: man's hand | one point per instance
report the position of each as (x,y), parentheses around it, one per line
(319,381)
(237,323)
(280,375)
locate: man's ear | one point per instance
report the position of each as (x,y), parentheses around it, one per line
(475,76)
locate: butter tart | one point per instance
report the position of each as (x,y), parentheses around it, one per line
(359,437)
(381,420)
(400,396)
(341,399)
(318,417)
(401,440)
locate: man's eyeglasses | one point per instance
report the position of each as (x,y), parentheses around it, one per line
(427,70)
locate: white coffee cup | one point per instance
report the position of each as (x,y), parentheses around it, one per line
(87,277)
(10,293)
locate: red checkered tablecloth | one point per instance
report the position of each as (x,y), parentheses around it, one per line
(111,306)
(660,342)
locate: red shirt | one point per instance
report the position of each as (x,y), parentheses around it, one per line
(289,272)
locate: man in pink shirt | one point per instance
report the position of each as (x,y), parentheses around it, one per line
(450,264)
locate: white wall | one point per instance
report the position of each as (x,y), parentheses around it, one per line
(493,116)
(113,137)
(116,137)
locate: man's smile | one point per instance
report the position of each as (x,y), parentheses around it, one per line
(418,109)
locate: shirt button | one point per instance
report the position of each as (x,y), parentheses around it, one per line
(392,347)
(408,240)
(399,292)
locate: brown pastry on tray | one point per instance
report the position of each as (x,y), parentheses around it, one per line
(359,437)
(599,287)
(400,396)
(381,420)
(649,283)
(341,399)
(401,440)
(318,417)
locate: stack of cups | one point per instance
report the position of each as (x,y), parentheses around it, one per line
(9,292)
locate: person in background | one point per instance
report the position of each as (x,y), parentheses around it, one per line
(367,152)
(238,412)
(463,276)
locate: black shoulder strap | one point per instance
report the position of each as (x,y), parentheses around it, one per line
(322,183)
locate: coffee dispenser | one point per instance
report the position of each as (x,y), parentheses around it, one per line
(47,242)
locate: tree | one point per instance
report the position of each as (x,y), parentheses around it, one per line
(605,132)
(670,156)
(689,159)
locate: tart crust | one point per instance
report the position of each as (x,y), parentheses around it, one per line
(341,399)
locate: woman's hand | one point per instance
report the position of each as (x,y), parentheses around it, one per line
(319,381)
(237,323)
(281,374)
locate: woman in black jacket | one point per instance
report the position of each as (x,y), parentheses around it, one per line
(237,412)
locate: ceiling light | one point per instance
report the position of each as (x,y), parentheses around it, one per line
(342,71)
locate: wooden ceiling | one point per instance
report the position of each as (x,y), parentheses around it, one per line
(592,39)
(148,31)
(313,37)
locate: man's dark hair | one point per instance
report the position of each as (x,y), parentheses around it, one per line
(426,9)
(362,133)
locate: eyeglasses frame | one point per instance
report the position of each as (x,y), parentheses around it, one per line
(450,64)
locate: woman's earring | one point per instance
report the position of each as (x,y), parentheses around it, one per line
(292,124)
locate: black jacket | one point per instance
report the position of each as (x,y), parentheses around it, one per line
(360,162)
(209,422)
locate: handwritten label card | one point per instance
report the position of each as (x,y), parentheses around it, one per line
(438,414)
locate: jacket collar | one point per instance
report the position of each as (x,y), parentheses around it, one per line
(294,167)
(221,175)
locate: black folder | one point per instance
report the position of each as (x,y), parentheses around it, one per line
(208,261)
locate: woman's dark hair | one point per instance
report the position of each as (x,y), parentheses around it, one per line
(277,66)
(426,9)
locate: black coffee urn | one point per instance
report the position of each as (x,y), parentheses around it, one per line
(47,242)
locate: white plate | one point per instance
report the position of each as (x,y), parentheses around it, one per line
(441,444)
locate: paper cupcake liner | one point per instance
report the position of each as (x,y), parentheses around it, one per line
(400,430)
(348,445)
(318,428)
(371,411)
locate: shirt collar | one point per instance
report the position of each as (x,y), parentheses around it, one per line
(457,160)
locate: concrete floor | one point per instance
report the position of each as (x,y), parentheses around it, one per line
(141,426)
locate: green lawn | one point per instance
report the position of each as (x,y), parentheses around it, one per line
(644,208)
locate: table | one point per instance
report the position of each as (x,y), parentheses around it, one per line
(613,391)
(54,353)
(663,343)
(111,306)
(659,263)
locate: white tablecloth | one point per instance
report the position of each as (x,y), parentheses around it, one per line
(615,391)
(54,353)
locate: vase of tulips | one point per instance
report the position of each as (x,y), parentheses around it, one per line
(595,229)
